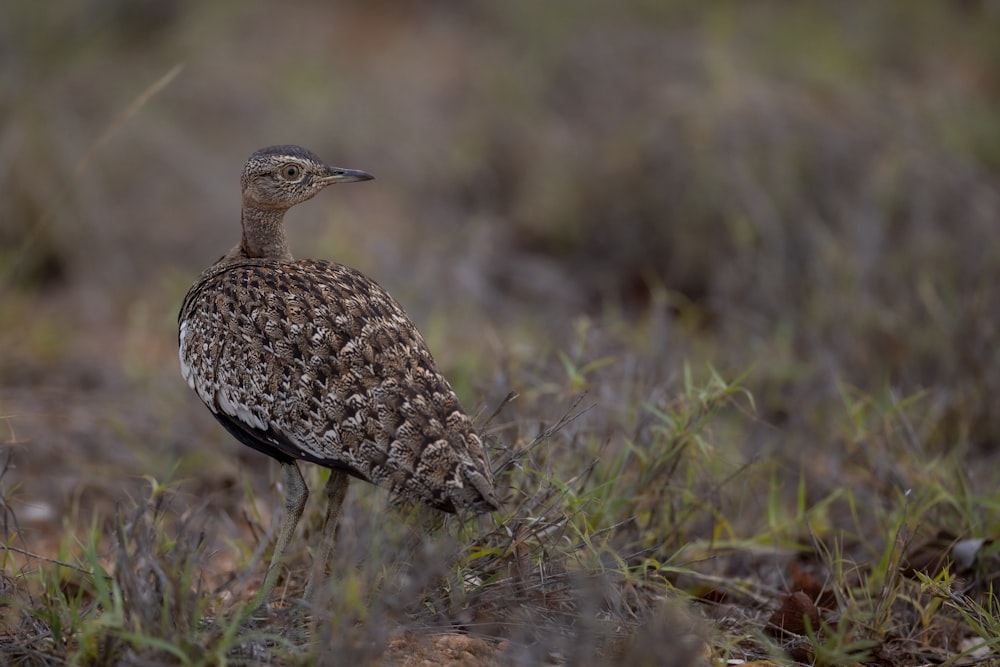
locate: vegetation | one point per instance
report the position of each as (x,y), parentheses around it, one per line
(718,278)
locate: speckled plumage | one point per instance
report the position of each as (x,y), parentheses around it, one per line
(312,360)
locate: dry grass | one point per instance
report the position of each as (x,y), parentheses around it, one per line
(737,262)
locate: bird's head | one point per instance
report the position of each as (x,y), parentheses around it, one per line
(279,177)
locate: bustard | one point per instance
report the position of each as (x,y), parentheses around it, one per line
(311,360)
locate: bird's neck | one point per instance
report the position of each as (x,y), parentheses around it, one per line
(264,233)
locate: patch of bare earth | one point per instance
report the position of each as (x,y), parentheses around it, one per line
(455,650)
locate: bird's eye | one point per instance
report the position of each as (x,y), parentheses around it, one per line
(291,172)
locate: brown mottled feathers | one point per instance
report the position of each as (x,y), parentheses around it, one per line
(312,360)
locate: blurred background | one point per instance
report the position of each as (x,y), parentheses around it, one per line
(803,192)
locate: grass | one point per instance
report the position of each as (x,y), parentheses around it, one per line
(736,263)
(591,552)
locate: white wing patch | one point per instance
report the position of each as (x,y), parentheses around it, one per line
(185,368)
(217,399)
(239,410)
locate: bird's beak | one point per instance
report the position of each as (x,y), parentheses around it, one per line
(338,175)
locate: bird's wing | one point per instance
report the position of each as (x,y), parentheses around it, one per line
(313,360)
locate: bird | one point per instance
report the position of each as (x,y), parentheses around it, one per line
(312,360)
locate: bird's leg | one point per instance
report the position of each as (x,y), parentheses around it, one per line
(295,502)
(336,491)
